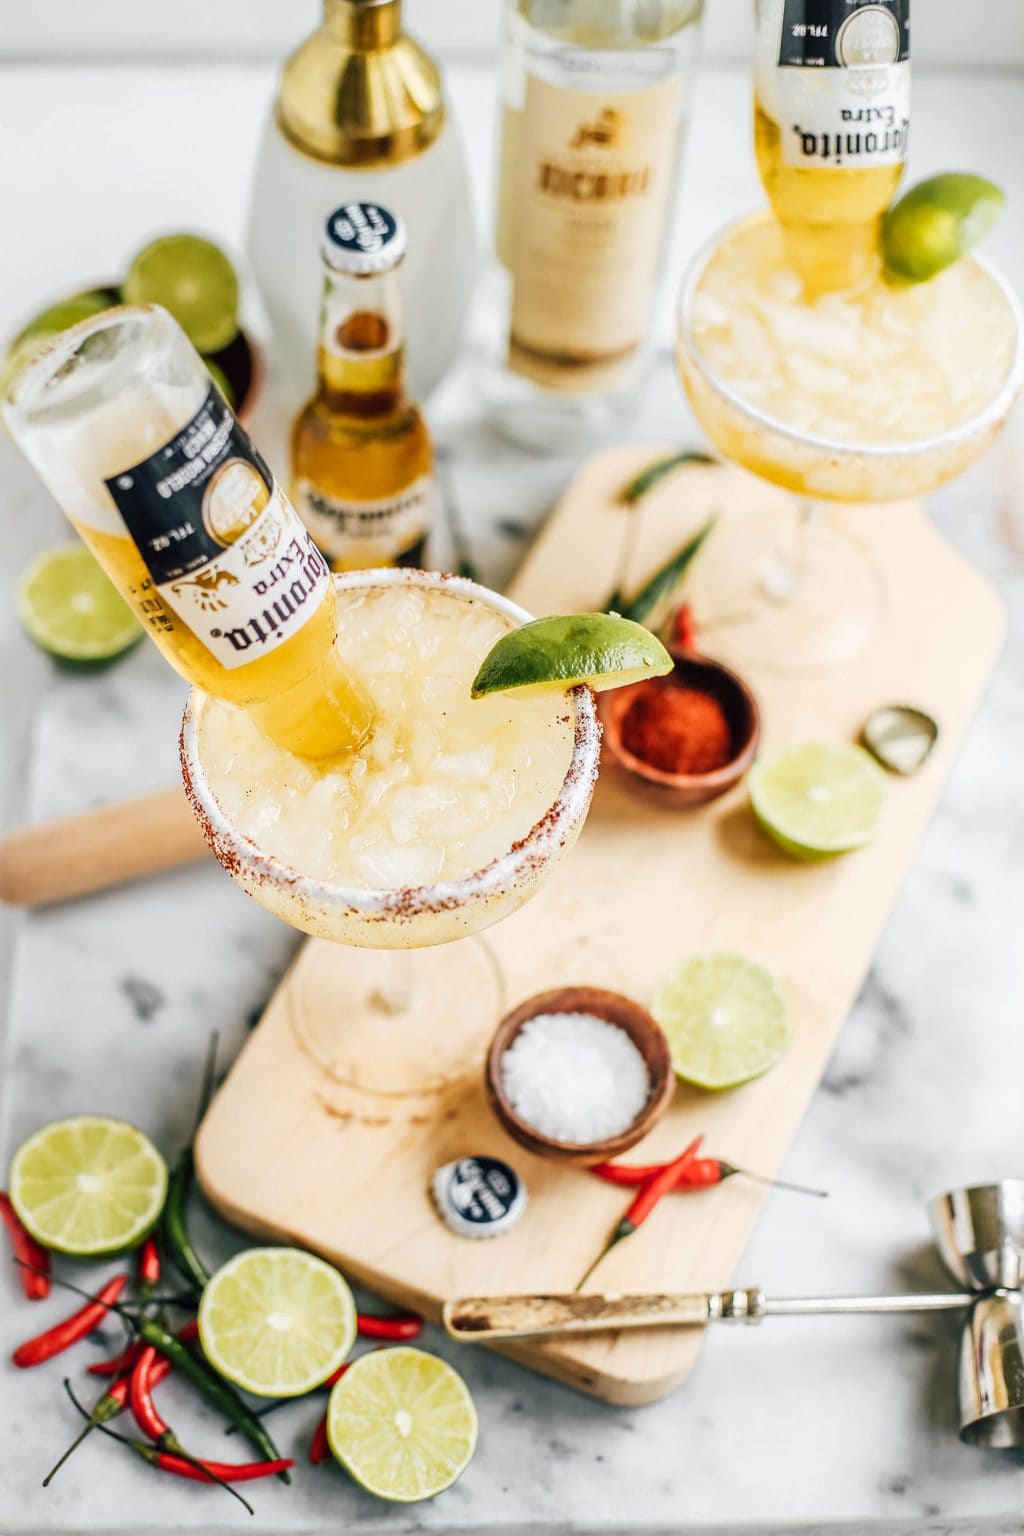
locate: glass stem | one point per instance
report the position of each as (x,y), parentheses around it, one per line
(784,571)
(394,993)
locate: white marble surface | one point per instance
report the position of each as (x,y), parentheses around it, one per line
(802,1425)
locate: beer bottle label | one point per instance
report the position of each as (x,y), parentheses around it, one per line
(835,76)
(355,534)
(226,551)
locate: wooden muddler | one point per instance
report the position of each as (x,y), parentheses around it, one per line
(94,849)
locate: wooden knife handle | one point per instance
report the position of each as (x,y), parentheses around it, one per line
(98,848)
(481,1319)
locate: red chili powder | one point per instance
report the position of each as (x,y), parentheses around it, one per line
(676,729)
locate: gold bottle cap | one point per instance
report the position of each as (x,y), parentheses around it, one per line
(360,92)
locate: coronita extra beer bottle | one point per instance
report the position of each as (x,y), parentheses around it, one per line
(125,426)
(831,125)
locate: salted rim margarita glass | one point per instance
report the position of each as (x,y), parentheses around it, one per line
(412,916)
(821,470)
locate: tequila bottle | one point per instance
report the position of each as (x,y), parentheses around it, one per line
(362,463)
(831,126)
(595,98)
(125,426)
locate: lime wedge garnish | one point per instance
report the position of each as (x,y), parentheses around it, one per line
(603,650)
(68,312)
(937,222)
(818,799)
(88,1186)
(71,609)
(726,1020)
(402,1424)
(193,279)
(277,1321)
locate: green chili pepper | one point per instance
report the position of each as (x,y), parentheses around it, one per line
(653,597)
(175,1223)
(213,1387)
(648,478)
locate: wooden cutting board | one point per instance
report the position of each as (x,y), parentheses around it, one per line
(288,1152)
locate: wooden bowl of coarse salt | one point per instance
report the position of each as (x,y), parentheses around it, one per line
(579,1074)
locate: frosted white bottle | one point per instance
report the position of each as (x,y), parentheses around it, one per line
(360,114)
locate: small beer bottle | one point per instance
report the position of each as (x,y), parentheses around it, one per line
(831,126)
(362,462)
(125,426)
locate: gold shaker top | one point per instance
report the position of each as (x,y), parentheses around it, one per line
(360,91)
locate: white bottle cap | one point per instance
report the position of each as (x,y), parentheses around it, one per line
(479,1196)
(362,239)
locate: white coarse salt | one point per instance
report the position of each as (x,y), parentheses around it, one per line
(574,1077)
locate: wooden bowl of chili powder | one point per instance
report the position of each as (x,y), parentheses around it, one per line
(688,737)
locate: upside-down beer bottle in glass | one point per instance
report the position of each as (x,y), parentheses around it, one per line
(125,426)
(831,126)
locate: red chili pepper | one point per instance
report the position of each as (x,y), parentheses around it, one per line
(399,1327)
(337,1375)
(215,1471)
(646,1198)
(319,1446)
(148,1266)
(684,630)
(117,1363)
(34,1265)
(700,1173)
(109,1406)
(55,1340)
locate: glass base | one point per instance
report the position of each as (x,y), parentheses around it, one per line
(789,592)
(400,1022)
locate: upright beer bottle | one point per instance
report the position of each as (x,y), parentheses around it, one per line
(127,429)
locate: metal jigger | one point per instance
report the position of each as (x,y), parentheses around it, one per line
(979,1231)
(980,1235)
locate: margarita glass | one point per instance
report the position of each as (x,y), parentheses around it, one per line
(445,822)
(867,395)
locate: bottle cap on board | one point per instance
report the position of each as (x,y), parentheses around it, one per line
(479,1196)
(363,238)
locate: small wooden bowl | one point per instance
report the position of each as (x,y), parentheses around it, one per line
(641,1028)
(741,711)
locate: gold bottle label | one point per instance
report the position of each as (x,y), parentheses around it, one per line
(585,185)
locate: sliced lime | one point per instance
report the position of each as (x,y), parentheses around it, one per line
(402,1424)
(19,354)
(193,279)
(65,313)
(819,798)
(88,1186)
(937,222)
(221,379)
(277,1321)
(726,1020)
(603,650)
(72,610)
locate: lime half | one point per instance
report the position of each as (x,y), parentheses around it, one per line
(819,798)
(937,222)
(65,313)
(277,1321)
(193,279)
(72,610)
(402,1424)
(726,1020)
(603,650)
(88,1186)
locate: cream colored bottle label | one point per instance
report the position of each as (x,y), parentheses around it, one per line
(585,185)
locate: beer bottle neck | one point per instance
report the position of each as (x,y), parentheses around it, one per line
(361,355)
